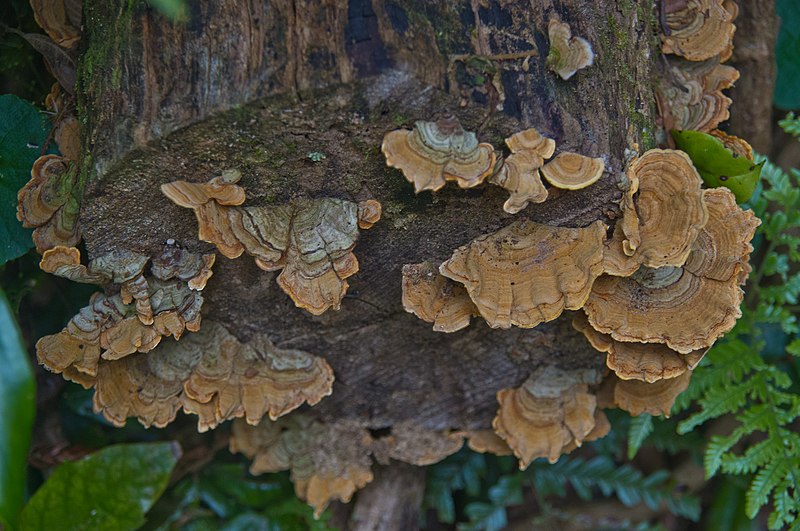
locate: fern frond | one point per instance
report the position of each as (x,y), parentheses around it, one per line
(791,124)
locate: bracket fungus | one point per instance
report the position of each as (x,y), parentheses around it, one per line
(327,461)
(311,241)
(436,299)
(670,210)
(648,362)
(686,307)
(697,29)
(214,376)
(550,412)
(175,262)
(528,273)
(572,171)
(689,95)
(519,172)
(567,54)
(49,203)
(435,152)
(110,325)
(638,397)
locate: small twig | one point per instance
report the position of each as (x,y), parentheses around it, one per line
(495,57)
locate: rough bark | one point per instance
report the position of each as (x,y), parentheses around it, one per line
(338,76)
(754,57)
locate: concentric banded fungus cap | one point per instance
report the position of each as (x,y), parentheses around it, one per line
(487,442)
(213,375)
(528,273)
(671,213)
(637,397)
(697,29)
(65,262)
(436,152)
(49,203)
(176,262)
(688,307)
(567,54)
(690,96)
(327,461)
(550,411)
(572,171)
(519,173)
(648,362)
(435,298)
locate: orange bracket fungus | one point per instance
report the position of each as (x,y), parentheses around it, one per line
(690,95)
(49,203)
(111,327)
(648,362)
(637,397)
(176,262)
(551,413)
(60,19)
(528,273)
(435,152)
(212,375)
(519,173)
(670,211)
(572,171)
(567,54)
(697,29)
(332,461)
(686,307)
(435,298)
(311,241)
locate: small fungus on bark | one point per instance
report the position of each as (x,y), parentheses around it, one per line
(638,397)
(697,29)
(528,273)
(60,19)
(65,262)
(435,298)
(519,172)
(436,152)
(310,240)
(553,410)
(176,262)
(567,54)
(572,171)
(67,131)
(49,203)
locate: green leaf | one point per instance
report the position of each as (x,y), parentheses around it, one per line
(640,428)
(717,165)
(108,490)
(17,409)
(23,132)
(787,55)
(791,124)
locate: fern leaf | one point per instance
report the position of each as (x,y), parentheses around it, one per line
(640,428)
(763,484)
(791,125)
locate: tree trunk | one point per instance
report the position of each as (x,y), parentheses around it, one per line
(161,102)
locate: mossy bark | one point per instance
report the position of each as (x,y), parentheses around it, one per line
(259,86)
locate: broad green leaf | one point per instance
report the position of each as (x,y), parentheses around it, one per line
(23,132)
(787,55)
(717,165)
(17,409)
(111,489)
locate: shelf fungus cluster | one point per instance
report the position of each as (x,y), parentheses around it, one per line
(137,311)
(436,152)
(551,413)
(567,54)
(661,303)
(331,461)
(310,241)
(50,203)
(212,375)
(698,29)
